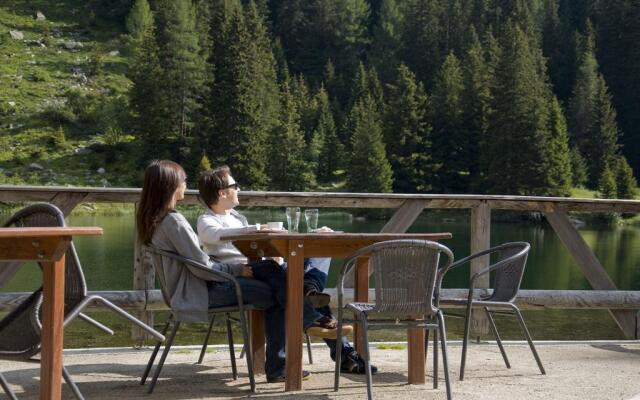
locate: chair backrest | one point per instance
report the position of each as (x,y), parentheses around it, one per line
(406,274)
(152,256)
(20,329)
(509,269)
(48,215)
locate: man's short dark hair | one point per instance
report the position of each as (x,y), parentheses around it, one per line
(211,182)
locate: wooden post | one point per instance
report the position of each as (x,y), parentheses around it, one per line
(480,240)
(143,279)
(66,202)
(590,266)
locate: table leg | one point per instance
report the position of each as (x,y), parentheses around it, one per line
(52,332)
(256,329)
(361,294)
(416,350)
(295,276)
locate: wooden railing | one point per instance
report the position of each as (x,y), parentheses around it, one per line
(622,305)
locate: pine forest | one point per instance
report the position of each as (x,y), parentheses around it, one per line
(514,97)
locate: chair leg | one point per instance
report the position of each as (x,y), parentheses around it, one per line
(243,351)
(465,339)
(435,359)
(309,348)
(445,358)
(165,352)
(426,345)
(206,340)
(245,338)
(367,358)
(147,369)
(72,384)
(336,379)
(494,329)
(232,350)
(528,336)
(7,389)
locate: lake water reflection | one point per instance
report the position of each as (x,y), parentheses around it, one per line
(108,260)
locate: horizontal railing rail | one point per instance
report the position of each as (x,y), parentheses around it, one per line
(622,305)
(9,193)
(140,300)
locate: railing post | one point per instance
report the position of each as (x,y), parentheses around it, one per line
(480,240)
(143,279)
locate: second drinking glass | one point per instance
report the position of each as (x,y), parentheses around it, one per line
(311,217)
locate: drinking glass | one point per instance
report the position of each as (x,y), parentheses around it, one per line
(311,216)
(293,218)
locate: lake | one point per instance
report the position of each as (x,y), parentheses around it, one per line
(108,265)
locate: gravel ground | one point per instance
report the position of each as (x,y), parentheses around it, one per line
(592,370)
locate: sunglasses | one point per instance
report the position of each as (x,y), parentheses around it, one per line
(233,185)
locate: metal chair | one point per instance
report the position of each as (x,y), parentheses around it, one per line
(508,271)
(240,308)
(20,329)
(407,274)
(20,339)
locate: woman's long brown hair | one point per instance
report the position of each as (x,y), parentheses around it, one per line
(161,179)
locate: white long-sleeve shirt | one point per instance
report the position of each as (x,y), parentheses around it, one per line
(212,226)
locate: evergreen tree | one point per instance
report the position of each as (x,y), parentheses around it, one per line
(139,20)
(455,27)
(387,40)
(619,55)
(607,188)
(288,169)
(205,164)
(263,68)
(515,154)
(579,172)
(184,71)
(558,160)
(451,147)
(146,97)
(305,104)
(626,185)
(478,79)
(406,134)
(602,144)
(421,38)
(583,96)
(368,157)
(352,36)
(243,124)
(331,154)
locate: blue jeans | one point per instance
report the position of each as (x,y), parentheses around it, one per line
(317,280)
(273,274)
(262,296)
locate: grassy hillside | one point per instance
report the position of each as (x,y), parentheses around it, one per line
(61,96)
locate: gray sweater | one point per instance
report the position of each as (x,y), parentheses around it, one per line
(185,287)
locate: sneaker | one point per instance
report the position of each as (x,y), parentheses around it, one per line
(327,328)
(353,363)
(318,299)
(282,378)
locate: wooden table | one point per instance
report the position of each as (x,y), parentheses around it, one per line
(295,247)
(47,246)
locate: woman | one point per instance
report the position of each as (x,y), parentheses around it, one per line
(191,291)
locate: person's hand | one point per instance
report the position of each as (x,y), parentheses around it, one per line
(324,229)
(246,271)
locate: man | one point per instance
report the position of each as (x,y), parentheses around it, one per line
(219,191)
